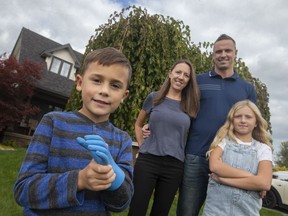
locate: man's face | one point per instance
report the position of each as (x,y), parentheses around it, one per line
(224,54)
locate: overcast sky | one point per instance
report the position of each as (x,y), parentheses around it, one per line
(259,28)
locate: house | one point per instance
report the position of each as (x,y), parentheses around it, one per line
(53,90)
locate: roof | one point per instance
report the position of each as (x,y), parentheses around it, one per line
(35,47)
(49,52)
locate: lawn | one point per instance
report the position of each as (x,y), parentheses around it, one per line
(10,164)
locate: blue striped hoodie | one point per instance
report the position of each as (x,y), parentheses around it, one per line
(48,178)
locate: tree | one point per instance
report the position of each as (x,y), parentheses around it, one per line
(17,82)
(152,43)
(283,155)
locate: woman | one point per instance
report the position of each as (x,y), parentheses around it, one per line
(159,166)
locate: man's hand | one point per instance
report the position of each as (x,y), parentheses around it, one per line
(145,131)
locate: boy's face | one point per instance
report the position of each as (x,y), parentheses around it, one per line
(103,88)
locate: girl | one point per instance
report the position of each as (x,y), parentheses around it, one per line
(159,166)
(240,159)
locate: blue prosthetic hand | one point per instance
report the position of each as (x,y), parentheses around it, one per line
(100,152)
(84,143)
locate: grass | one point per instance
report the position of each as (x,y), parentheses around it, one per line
(172,212)
(10,164)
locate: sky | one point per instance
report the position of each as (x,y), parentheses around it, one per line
(257,26)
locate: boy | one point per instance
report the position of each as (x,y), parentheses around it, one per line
(58,176)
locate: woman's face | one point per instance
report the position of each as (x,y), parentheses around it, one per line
(180,76)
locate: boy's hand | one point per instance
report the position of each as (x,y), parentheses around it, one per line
(100,152)
(85,142)
(95,177)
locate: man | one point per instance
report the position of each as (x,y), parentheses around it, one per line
(220,88)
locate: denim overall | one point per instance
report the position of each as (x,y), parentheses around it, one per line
(225,200)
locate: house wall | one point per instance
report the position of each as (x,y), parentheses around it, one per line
(135,149)
(16,52)
(19,139)
(65,55)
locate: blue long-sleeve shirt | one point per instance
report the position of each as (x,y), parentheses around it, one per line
(217,97)
(48,178)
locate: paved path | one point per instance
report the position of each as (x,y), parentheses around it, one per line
(6,149)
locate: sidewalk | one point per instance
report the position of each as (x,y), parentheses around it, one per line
(6,148)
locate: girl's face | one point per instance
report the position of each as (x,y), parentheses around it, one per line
(103,88)
(244,122)
(180,76)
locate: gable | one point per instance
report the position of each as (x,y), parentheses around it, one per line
(40,49)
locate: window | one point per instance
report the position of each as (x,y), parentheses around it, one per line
(61,67)
(65,69)
(55,108)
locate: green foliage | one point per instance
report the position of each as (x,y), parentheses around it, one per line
(283,155)
(17,84)
(11,143)
(261,90)
(280,168)
(153,43)
(75,101)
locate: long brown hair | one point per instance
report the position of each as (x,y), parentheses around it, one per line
(190,96)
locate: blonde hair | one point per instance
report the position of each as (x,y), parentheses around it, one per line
(259,133)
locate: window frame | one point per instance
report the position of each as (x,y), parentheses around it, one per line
(62,62)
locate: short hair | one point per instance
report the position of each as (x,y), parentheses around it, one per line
(225,37)
(106,57)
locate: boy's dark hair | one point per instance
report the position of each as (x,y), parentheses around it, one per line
(225,37)
(106,57)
